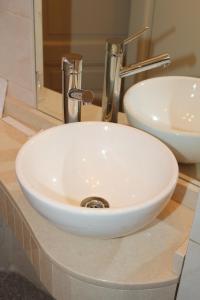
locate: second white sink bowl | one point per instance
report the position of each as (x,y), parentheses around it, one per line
(132,170)
(168,108)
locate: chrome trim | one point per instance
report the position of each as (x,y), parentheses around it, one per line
(148,64)
(115,71)
(73,95)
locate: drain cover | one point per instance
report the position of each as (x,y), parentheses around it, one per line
(94,202)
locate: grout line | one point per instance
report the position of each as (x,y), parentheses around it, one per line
(18,125)
(189,180)
(17,14)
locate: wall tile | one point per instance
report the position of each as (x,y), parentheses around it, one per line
(5,246)
(61,283)
(16,37)
(3,208)
(10,211)
(17,53)
(23,8)
(45,271)
(18,228)
(12,255)
(26,240)
(35,255)
(21,93)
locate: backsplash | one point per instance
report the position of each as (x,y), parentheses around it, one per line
(17,54)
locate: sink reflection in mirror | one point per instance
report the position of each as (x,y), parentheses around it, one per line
(168,108)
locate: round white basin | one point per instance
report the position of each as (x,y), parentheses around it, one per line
(134,172)
(168,108)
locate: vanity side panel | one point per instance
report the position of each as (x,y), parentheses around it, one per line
(195,233)
(70,288)
(83,291)
(189,285)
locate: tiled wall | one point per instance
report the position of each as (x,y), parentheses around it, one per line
(12,257)
(17,54)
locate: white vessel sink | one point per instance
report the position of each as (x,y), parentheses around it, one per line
(134,172)
(168,108)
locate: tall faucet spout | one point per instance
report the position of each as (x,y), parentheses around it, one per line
(115,71)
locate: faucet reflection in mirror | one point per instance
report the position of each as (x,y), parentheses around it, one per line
(115,71)
(73,95)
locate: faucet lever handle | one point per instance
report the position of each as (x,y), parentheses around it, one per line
(134,36)
(84,96)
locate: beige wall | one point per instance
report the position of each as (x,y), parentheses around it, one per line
(108,19)
(17,58)
(175,30)
(141,15)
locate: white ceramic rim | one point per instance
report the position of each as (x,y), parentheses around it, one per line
(107,211)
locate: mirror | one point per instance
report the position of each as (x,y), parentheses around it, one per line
(83,26)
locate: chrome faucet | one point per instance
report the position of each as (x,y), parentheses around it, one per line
(73,95)
(115,71)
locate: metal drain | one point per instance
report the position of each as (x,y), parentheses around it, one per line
(94,202)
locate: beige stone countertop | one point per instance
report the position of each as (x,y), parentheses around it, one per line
(144,259)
